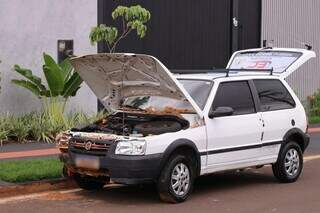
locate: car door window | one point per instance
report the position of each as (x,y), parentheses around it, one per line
(273,95)
(236,95)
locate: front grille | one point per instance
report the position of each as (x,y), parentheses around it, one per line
(99,148)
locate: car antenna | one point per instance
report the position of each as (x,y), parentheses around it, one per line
(123,117)
(308,46)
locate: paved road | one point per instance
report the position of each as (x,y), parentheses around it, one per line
(16,147)
(314,146)
(254,191)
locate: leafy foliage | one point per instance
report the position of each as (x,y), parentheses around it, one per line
(133,18)
(42,126)
(103,33)
(313,108)
(314,104)
(61,79)
(4,122)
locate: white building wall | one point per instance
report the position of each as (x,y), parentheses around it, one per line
(290,23)
(29,28)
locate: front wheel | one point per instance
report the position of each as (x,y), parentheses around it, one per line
(176,180)
(289,165)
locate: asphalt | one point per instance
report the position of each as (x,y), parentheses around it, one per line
(17,147)
(250,191)
(314,147)
(31,150)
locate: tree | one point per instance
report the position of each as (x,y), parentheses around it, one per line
(62,80)
(133,18)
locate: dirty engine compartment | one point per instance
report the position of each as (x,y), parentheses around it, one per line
(126,124)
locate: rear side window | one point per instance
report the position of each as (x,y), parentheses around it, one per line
(235,94)
(273,95)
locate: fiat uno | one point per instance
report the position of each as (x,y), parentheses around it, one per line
(169,129)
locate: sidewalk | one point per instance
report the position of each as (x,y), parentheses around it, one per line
(16,151)
(30,153)
(314,128)
(27,150)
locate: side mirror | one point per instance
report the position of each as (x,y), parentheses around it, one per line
(220,112)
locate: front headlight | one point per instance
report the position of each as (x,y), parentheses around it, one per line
(131,147)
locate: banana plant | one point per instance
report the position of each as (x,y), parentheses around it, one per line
(61,79)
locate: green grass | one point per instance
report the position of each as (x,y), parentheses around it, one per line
(314,119)
(17,171)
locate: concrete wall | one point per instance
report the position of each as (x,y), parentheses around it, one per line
(290,23)
(29,28)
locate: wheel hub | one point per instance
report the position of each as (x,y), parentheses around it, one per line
(292,162)
(180,179)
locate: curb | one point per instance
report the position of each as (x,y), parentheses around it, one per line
(314,130)
(9,190)
(30,153)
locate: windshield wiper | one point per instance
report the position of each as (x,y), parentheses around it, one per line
(131,107)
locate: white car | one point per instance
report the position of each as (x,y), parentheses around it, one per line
(169,129)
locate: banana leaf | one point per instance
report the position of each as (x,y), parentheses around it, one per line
(29,75)
(29,86)
(51,64)
(72,85)
(67,69)
(54,79)
(61,79)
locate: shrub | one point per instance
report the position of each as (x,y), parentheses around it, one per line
(314,104)
(4,122)
(41,126)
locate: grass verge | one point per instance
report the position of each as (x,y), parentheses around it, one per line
(17,171)
(314,119)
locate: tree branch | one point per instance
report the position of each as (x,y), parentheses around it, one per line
(125,32)
(108,46)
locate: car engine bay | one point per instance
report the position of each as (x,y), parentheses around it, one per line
(127,124)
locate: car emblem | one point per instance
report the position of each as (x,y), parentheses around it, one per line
(88,145)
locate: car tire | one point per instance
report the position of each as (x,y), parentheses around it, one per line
(289,165)
(176,179)
(88,183)
(65,172)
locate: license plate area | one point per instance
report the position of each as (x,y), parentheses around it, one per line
(87,162)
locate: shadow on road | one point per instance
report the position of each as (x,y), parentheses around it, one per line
(147,194)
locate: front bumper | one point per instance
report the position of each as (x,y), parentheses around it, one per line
(119,168)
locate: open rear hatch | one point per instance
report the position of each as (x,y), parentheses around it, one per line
(283,61)
(113,77)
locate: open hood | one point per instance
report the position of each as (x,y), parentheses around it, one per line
(120,75)
(283,61)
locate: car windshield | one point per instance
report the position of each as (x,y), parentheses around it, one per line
(198,89)
(157,103)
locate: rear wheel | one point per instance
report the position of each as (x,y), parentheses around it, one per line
(176,180)
(289,165)
(88,183)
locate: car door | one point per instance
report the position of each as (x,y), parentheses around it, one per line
(278,113)
(234,140)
